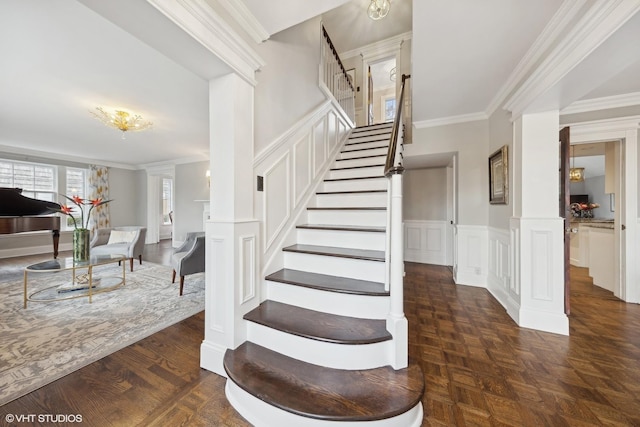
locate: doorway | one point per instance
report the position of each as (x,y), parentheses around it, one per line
(381,91)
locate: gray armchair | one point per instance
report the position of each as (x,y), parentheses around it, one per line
(128,241)
(189,258)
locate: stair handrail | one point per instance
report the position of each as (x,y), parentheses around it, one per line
(393,165)
(335,78)
(397,323)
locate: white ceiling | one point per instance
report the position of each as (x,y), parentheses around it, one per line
(62,58)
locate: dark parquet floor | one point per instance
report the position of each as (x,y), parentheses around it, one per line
(480,369)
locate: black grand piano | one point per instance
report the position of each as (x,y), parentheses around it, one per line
(19,214)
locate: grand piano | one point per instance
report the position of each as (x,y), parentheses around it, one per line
(19,214)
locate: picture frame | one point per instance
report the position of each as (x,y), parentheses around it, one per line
(499,177)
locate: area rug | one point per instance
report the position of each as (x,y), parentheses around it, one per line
(46,341)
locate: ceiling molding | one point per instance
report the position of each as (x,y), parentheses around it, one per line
(243,16)
(598,24)
(203,24)
(603,130)
(464,118)
(604,103)
(558,23)
(380,48)
(155,166)
(43,156)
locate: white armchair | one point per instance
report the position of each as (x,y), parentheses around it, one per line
(128,241)
(189,258)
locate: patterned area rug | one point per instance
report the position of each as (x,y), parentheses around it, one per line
(51,339)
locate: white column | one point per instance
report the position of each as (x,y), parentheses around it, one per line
(232,232)
(536,291)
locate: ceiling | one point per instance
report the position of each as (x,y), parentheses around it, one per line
(63,58)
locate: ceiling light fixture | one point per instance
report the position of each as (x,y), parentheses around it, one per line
(575,174)
(378,9)
(122,120)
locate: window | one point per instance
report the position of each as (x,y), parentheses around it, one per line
(76,186)
(37,181)
(167,200)
(389,109)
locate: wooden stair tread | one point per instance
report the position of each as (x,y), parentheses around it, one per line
(317,325)
(367,127)
(364,149)
(355,177)
(365,254)
(347,208)
(364,228)
(351,192)
(359,167)
(384,131)
(366,142)
(323,393)
(328,283)
(361,157)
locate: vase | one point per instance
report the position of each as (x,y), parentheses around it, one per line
(81,245)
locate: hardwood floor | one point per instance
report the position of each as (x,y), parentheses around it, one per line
(479,367)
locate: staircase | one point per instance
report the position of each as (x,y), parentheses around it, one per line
(318,350)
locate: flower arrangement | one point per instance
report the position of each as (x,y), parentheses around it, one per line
(583,210)
(80,202)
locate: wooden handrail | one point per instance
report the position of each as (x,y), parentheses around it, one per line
(390,168)
(335,54)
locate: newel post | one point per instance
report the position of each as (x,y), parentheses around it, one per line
(397,323)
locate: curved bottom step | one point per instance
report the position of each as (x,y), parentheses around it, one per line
(316,394)
(261,414)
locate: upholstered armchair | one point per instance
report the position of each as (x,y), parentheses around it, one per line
(189,258)
(127,241)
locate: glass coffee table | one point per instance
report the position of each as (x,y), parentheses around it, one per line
(82,282)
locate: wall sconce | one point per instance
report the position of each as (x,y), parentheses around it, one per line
(208,175)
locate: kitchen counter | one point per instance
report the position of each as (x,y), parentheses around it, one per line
(592,246)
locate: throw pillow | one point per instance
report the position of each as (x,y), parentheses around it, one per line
(121,236)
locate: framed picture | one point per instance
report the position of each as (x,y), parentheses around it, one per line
(499,177)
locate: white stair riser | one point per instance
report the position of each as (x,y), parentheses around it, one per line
(362,306)
(339,217)
(356,185)
(342,238)
(375,170)
(362,153)
(336,266)
(371,131)
(369,161)
(331,355)
(261,414)
(360,145)
(351,199)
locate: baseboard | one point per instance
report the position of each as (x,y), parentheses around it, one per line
(212,358)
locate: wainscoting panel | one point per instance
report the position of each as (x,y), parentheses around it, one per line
(425,242)
(293,167)
(319,145)
(277,204)
(499,277)
(471,260)
(215,283)
(541,268)
(301,168)
(247,268)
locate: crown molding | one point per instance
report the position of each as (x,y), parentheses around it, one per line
(604,103)
(596,26)
(171,164)
(451,120)
(203,24)
(558,23)
(26,155)
(382,47)
(602,130)
(243,16)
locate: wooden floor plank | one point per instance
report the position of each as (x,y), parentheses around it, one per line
(461,337)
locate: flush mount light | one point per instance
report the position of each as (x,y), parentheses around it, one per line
(378,9)
(121,120)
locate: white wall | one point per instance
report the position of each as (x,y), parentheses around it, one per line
(287,86)
(124,192)
(470,141)
(425,194)
(501,133)
(190,185)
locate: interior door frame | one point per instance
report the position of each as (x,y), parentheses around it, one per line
(624,131)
